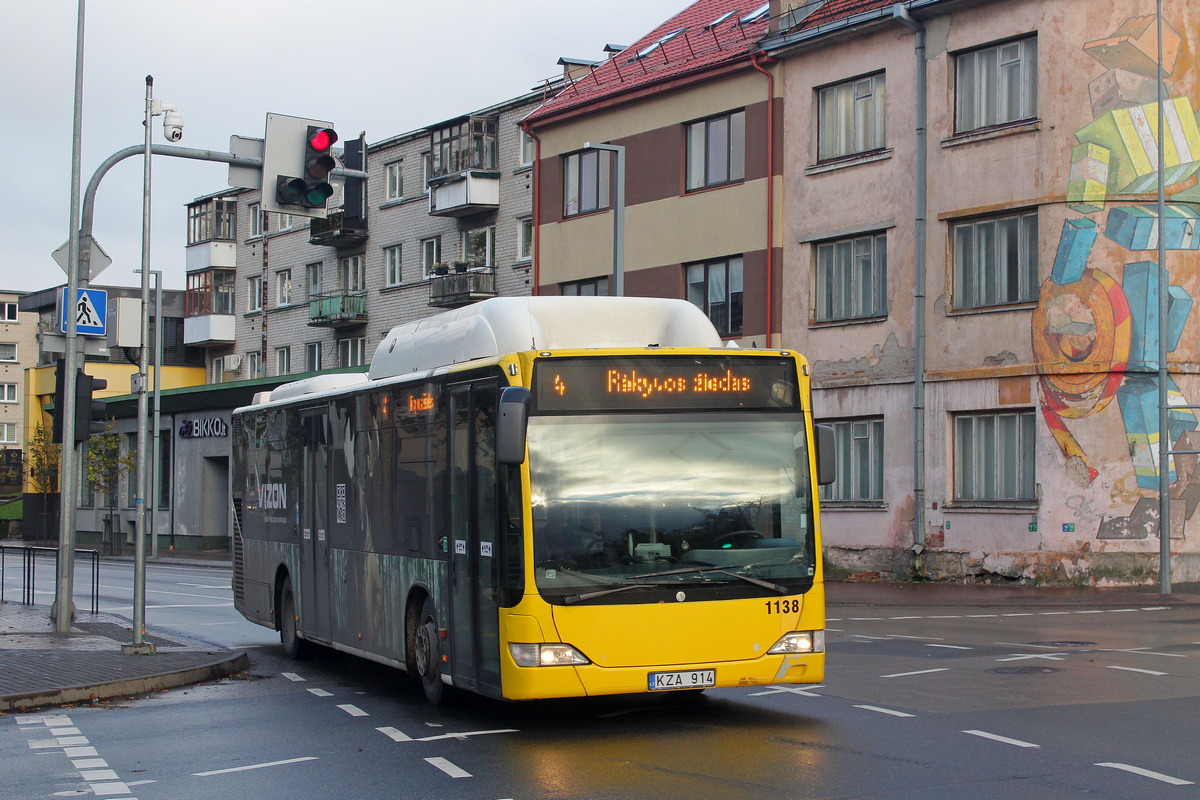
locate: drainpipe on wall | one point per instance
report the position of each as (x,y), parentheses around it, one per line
(770,190)
(900,13)
(537,172)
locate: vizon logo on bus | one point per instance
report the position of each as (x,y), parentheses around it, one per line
(272,496)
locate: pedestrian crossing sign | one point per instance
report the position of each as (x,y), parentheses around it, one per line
(90,310)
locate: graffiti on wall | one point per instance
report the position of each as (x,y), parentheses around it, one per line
(1096,329)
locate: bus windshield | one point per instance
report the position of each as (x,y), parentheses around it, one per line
(635,508)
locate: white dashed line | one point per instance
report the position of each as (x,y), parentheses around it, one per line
(450,769)
(1142,671)
(950,646)
(807,691)
(884,711)
(353,710)
(918,672)
(253,766)
(1002,739)
(395,735)
(291,676)
(1145,773)
(321,693)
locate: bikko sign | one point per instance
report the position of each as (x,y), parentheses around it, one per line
(196,428)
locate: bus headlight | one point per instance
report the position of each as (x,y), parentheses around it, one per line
(546,655)
(800,642)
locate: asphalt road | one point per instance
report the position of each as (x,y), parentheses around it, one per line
(951,703)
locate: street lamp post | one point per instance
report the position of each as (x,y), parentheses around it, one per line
(618,218)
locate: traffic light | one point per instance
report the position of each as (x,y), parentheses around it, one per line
(89,413)
(297,161)
(56,415)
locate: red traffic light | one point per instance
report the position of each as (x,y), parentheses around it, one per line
(321,138)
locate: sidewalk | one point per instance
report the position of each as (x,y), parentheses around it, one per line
(39,667)
(927,593)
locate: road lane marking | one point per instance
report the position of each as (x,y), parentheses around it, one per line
(806,691)
(901,636)
(1143,671)
(884,711)
(450,769)
(353,710)
(463,736)
(1144,651)
(1145,773)
(918,672)
(253,766)
(1002,739)
(395,735)
(321,693)
(291,676)
(950,646)
(1031,656)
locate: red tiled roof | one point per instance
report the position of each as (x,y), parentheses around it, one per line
(698,48)
(834,10)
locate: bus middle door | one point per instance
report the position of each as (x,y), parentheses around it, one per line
(314,525)
(474,579)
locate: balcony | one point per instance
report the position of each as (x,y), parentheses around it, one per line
(209,330)
(462,288)
(338,309)
(336,230)
(462,194)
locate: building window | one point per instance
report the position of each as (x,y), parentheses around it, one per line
(595,287)
(426,171)
(431,255)
(254,293)
(479,247)
(210,292)
(283,361)
(525,239)
(314,280)
(586,180)
(253,365)
(8,392)
(285,222)
(255,213)
(996,85)
(994,457)
(468,143)
(716,289)
(8,312)
(851,118)
(212,219)
(395,180)
(852,279)
(283,288)
(8,351)
(716,150)
(312,357)
(391,265)
(996,261)
(8,433)
(859,449)
(351,352)
(351,274)
(526,148)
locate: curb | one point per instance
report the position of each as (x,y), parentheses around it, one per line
(220,668)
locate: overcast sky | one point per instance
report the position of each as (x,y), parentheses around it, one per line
(381,66)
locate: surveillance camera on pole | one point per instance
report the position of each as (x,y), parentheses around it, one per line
(172,124)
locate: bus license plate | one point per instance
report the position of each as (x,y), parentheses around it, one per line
(686,679)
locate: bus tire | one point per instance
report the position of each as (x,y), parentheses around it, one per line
(293,645)
(428,656)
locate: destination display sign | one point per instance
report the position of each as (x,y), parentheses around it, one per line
(637,383)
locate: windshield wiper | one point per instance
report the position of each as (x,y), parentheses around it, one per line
(577,598)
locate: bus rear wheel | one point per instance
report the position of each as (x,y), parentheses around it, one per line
(293,645)
(427,654)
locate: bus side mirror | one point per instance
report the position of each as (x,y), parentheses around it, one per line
(512,425)
(826,455)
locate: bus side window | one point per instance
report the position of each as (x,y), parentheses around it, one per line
(512,580)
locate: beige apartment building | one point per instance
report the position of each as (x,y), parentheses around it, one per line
(963,235)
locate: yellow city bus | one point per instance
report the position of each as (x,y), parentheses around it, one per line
(543,497)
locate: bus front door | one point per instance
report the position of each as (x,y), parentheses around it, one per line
(314,526)
(474,523)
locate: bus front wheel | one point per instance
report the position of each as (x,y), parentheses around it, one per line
(293,645)
(427,654)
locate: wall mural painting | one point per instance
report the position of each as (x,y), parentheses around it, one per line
(1095,332)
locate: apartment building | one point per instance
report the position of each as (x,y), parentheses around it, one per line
(18,352)
(959,229)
